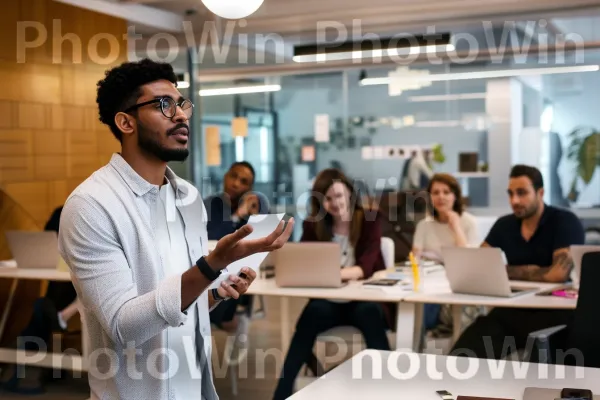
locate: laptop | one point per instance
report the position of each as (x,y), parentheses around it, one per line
(308,265)
(577,252)
(32,249)
(480,271)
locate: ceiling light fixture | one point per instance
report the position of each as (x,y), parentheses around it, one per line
(447,97)
(233,9)
(389,47)
(183,84)
(438,124)
(239,90)
(484,74)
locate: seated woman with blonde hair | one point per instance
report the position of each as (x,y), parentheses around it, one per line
(336,215)
(448,225)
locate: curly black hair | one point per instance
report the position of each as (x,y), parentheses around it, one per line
(120,88)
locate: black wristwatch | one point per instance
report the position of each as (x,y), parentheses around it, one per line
(217,296)
(206,270)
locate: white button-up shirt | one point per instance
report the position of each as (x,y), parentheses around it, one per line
(107,238)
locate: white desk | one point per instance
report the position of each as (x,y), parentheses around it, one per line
(437,290)
(35,273)
(352,291)
(373,374)
(56,360)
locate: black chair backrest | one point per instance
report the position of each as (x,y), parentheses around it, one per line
(584,333)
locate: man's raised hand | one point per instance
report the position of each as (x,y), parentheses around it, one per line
(233,247)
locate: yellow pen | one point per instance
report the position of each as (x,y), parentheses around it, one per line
(415,271)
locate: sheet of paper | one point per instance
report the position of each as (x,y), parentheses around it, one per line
(367,153)
(322,128)
(262,226)
(377,152)
(8,264)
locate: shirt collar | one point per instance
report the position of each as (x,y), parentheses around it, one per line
(139,185)
(544,217)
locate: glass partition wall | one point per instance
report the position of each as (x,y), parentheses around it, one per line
(375,127)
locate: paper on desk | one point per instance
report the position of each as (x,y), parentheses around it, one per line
(8,264)
(262,226)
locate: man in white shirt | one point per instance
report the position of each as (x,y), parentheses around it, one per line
(134,237)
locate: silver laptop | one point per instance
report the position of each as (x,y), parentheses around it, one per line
(32,249)
(577,252)
(479,271)
(308,265)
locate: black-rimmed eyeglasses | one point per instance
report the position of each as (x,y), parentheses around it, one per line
(168,106)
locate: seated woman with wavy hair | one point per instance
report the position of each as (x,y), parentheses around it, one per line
(337,216)
(448,225)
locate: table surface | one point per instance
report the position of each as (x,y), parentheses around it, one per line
(373,374)
(351,291)
(35,273)
(437,290)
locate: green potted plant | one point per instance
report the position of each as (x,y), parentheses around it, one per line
(438,154)
(584,151)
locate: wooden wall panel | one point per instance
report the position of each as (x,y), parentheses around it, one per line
(33,197)
(107,142)
(49,130)
(50,135)
(32,116)
(49,143)
(8,114)
(47,168)
(58,191)
(16,169)
(16,143)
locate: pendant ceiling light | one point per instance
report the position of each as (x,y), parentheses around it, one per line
(232,9)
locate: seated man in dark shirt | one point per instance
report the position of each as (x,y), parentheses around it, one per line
(227,212)
(536,240)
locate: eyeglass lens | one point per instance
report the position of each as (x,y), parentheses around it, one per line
(169,107)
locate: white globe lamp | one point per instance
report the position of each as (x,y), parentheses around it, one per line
(233,9)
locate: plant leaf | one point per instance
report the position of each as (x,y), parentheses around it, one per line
(588,157)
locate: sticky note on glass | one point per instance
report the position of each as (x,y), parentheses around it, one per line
(239,127)
(322,128)
(367,153)
(213,146)
(308,153)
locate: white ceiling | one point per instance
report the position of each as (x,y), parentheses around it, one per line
(296,21)
(300,17)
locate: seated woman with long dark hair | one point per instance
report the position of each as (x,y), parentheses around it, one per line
(336,215)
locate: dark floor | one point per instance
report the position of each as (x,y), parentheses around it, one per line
(256,380)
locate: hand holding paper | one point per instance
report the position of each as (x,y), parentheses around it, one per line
(249,245)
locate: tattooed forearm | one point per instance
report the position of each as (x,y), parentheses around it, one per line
(527,273)
(559,271)
(561,267)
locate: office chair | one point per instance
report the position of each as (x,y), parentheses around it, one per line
(564,343)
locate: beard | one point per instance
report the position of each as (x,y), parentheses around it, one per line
(148,142)
(528,212)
